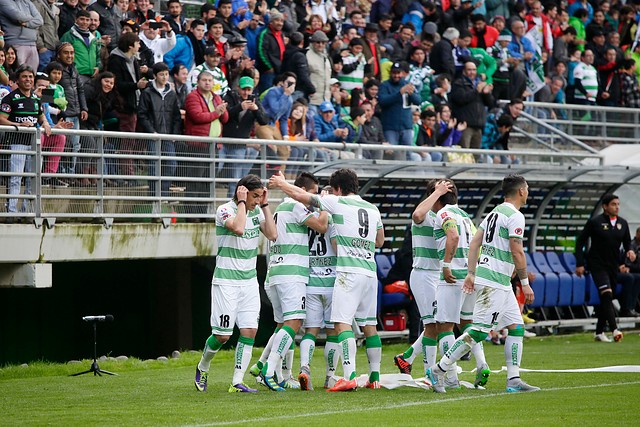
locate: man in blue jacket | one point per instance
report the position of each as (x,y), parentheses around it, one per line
(189,49)
(396,96)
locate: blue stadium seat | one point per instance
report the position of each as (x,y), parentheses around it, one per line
(552,281)
(383,265)
(538,284)
(593,297)
(568,260)
(387,300)
(566,281)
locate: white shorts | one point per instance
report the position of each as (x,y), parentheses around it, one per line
(318,311)
(288,300)
(452,304)
(355,297)
(423,286)
(495,309)
(234,305)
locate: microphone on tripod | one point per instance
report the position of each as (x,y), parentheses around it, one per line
(105,318)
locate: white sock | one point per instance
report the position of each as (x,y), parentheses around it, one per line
(307,346)
(211,347)
(477,350)
(349,357)
(287,362)
(429,352)
(244,350)
(267,349)
(513,355)
(417,350)
(332,352)
(281,344)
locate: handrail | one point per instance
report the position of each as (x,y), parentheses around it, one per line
(557,131)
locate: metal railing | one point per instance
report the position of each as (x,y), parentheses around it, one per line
(118,175)
(597,126)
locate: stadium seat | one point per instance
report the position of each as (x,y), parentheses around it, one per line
(566,280)
(538,284)
(552,281)
(568,261)
(383,263)
(593,297)
(387,300)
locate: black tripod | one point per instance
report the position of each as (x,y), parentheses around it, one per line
(94,366)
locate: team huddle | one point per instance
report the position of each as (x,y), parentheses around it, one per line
(322,274)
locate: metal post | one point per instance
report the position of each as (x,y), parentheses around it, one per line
(212,175)
(157,179)
(36,165)
(99,206)
(263,165)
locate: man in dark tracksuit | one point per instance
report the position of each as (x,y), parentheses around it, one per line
(607,233)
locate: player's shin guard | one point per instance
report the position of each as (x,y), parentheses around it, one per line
(244,350)
(429,351)
(348,347)
(513,351)
(281,344)
(307,346)
(211,347)
(332,351)
(374,354)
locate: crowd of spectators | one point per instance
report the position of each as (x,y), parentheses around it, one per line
(386,73)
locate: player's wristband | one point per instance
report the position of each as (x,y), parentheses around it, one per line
(524,282)
(264,206)
(446,265)
(242,201)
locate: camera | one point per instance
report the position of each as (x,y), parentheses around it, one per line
(155,25)
(251,97)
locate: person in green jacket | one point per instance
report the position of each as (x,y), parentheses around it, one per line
(485,63)
(86,45)
(578,21)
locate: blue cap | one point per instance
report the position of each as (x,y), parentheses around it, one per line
(326,106)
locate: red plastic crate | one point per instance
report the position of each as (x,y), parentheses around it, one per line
(394,322)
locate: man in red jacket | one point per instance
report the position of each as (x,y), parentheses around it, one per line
(205,113)
(484,36)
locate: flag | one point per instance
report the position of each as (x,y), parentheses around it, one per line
(535,67)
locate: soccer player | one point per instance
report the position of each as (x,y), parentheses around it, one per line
(452,230)
(500,238)
(607,233)
(288,275)
(424,277)
(359,231)
(235,296)
(322,275)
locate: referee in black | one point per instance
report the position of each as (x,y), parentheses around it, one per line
(607,232)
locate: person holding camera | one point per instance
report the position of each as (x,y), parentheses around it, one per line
(245,110)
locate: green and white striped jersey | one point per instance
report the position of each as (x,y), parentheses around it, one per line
(425,249)
(289,254)
(322,261)
(236,259)
(453,216)
(357,223)
(495,265)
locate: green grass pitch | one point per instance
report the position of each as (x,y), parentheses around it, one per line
(154,393)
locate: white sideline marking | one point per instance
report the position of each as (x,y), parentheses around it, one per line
(399,405)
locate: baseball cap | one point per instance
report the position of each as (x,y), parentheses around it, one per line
(211,51)
(400,66)
(333,81)
(326,106)
(246,82)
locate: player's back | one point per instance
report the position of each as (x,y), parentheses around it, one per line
(495,265)
(357,222)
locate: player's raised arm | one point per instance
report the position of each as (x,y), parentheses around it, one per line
(420,212)
(301,195)
(237,223)
(268,226)
(319,223)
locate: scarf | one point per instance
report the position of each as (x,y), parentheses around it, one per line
(198,48)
